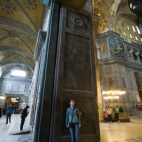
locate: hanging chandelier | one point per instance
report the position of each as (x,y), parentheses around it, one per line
(112,94)
(115,92)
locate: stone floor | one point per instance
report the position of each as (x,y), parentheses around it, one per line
(110,132)
(11,127)
(122,132)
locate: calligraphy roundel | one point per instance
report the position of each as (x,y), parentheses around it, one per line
(116,45)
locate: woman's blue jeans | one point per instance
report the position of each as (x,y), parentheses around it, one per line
(74,131)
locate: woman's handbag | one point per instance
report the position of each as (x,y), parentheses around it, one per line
(71,125)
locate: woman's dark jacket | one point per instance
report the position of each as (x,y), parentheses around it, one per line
(24,113)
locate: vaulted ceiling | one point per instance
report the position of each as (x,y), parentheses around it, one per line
(21,19)
(111,11)
(19,24)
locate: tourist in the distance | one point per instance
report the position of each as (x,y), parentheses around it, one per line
(4,111)
(9,113)
(116,115)
(23,116)
(121,109)
(105,116)
(109,113)
(140,110)
(73,121)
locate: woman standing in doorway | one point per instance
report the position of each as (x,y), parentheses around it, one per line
(73,121)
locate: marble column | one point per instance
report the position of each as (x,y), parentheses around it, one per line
(132,56)
(101,102)
(138,57)
(99,54)
(128,55)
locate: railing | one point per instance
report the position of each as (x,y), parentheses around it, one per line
(119,59)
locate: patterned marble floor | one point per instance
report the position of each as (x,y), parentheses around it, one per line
(122,132)
(110,132)
(13,126)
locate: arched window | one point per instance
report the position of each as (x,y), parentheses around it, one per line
(131,6)
(136,37)
(131,36)
(133,28)
(138,30)
(125,34)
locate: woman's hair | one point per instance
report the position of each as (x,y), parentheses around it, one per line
(72,100)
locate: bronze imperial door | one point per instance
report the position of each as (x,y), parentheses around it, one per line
(75,77)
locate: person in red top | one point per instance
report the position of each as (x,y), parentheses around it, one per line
(140,110)
(105,116)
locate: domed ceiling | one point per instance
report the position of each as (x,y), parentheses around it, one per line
(110,12)
(19,24)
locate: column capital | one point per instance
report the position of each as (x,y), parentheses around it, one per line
(131,51)
(137,53)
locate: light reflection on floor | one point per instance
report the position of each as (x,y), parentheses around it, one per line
(122,132)
(110,132)
(13,126)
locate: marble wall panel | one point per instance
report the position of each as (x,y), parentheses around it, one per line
(22,87)
(128,72)
(27,88)
(105,83)
(77,72)
(3,86)
(15,87)
(116,83)
(9,86)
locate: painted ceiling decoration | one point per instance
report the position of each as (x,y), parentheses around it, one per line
(110,12)
(19,24)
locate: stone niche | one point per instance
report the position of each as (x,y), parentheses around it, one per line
(75,77)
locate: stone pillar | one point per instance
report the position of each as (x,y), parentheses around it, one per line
(99,53)
(44,103)
(69,73)
(138,57)
(132,57)
(128,55)
(101,103)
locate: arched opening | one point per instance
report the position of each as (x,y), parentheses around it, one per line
(138,82)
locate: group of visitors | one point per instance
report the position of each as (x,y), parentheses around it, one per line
(9,111)
(112,115)
(138,110)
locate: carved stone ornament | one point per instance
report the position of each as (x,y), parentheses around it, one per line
(77,21)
